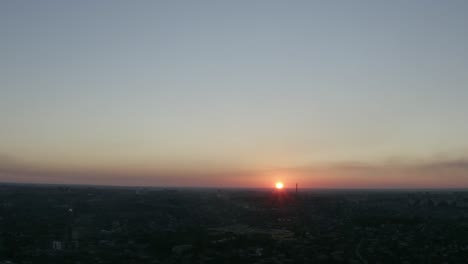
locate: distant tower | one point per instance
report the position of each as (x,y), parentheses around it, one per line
(296,188)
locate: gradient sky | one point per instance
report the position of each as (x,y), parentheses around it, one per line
(235,93)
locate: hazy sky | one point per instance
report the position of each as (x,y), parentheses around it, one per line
(235,93)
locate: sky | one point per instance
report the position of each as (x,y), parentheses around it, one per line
(330,94)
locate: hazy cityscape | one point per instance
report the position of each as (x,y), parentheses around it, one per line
(91,224)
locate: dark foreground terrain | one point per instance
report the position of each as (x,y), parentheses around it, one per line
(59,224)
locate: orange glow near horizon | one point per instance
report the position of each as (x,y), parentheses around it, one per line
(279,185)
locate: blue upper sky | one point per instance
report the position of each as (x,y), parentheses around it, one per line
(231,85)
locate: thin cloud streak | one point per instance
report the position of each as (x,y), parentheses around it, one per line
(430,174)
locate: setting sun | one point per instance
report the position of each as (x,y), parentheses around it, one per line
(279,185)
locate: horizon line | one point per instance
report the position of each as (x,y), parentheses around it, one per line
(227,188)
